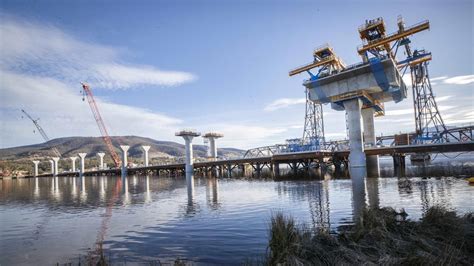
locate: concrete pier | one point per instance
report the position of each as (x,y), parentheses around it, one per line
(145,154)
(124,158)
(357,161)
(188,136)
(52,167)
(82,156)
(372,161)
(73,163)
(101,160)
(55,165)
(212,136)
(36,168)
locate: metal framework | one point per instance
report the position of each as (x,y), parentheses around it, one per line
(313,134)
(428,121)
(430,127)
(327,63)
(41,131)
(100,122)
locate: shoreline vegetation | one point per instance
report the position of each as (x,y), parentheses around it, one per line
(381,236)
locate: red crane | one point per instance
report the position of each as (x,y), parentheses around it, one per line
(103,130)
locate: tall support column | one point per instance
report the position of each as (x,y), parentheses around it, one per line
(370,140)
(124,158)
(52,166)
(188,136)
(82,156)
(145,154)
(55,165)
(101,160)
(189,154)
(212,136)
(73,163)
(357,164)
(35,173)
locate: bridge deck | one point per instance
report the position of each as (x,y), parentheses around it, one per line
(292,157)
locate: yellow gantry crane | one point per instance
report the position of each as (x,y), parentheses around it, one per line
(325,58)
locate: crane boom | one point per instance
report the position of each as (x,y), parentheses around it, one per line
(41,131)
(100,122)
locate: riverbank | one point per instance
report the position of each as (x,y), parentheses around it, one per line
(381,236)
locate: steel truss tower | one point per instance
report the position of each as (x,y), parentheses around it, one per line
(428,121)
(313,134)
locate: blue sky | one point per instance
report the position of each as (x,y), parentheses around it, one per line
(158,66)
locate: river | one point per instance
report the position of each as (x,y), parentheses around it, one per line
(45,221)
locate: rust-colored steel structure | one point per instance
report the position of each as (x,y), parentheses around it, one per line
(100,122)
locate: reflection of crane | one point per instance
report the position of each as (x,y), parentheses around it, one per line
(98,118)
(41,131)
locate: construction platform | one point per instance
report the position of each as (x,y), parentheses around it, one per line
(375,82)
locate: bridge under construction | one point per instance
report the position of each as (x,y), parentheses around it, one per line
(360,90)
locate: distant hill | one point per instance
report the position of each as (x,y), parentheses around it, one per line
(71,146)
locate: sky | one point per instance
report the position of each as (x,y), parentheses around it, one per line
(156,67)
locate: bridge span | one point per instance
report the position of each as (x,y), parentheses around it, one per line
(296,161)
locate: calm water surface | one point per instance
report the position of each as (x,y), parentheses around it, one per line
(44,221)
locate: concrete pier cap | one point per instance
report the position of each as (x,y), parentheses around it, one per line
(360,90)
(212,136)
(188,135)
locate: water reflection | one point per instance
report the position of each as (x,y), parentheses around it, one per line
(212,192)
(191,207)
(358,177)
(206,220)
(147,189)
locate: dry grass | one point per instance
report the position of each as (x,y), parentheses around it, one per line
(382,236)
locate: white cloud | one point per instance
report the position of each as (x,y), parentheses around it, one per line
(460,80)
(45,50)
(283,103)
(63,113)
(247,136)
(442,98)
(439,78)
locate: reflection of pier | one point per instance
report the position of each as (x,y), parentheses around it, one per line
(296,161)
